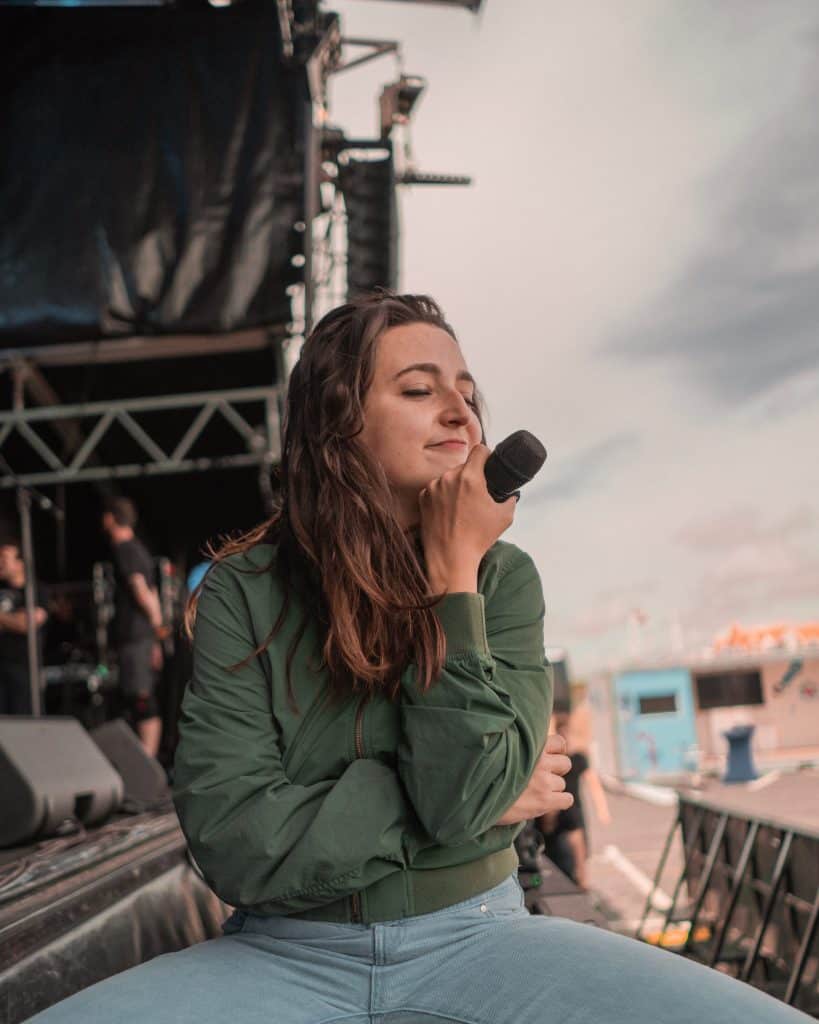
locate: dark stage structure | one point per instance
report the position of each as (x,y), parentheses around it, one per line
(178,209)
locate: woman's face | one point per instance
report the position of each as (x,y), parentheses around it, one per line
(419,416)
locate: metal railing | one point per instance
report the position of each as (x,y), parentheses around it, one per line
(747,898)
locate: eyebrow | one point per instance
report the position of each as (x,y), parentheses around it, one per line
(435,370)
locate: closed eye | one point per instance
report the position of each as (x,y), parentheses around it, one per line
(415,393)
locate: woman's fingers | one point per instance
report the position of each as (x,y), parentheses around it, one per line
(474,467)
(562,801)
(559,764)
(555,744)
(546,791)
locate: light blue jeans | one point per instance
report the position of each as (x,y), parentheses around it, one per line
(483,961)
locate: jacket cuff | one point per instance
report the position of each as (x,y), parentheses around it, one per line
(464,624)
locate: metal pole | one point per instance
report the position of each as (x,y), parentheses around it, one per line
(27,551)
(312,161)
(62,549)
(736,886)
(705,878)
(24,510)
(770,900)
(659,872)
(688,857)
(802,956)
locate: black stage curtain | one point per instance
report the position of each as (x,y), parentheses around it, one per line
(151,171)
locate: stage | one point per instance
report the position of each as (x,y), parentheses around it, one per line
(79,908)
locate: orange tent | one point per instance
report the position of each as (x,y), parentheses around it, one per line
(763,638)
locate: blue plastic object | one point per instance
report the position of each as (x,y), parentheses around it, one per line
(740,767)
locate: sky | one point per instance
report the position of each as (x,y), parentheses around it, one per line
(633,278)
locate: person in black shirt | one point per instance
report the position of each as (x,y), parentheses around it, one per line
(15,688)
(564,832)
(137,622)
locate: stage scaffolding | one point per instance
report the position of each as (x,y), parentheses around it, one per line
(47,441)
(259,444)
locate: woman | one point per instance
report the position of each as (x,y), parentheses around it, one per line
(364,733)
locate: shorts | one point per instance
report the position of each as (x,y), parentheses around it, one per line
(136,674)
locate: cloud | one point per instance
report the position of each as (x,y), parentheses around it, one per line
(743,317)
(752,564)
(757,579)
(610,609)
(797,392)
(584,470)
(742,526)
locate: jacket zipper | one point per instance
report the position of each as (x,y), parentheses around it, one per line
(359,727)
(355,899)
(355,909)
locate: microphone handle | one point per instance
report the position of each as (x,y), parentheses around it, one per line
(499,498)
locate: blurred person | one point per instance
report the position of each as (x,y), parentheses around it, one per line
(364,734)
(564,832)
(65,631)
(15,685)
(196,575)
(177,673)
(137,622)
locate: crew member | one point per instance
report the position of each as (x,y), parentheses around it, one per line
(564,832)
(15,686)
(137,623)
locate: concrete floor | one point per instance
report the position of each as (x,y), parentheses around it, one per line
(624,858)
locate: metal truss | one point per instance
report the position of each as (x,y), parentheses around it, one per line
(256,444)
(753,900)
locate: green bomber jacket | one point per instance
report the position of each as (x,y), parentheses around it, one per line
(358,810)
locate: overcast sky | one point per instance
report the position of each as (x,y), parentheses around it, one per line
(634,277)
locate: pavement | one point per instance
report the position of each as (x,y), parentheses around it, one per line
(624,858)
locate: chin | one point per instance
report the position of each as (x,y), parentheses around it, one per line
(452,455)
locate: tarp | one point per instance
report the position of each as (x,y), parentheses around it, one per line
(77,909)
(151,172)
(165,914)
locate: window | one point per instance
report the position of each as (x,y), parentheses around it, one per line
(727,689)
(663,704)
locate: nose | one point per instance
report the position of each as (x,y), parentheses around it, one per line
(456,408)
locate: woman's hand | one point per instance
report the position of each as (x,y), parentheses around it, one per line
(545,792)
(460,521)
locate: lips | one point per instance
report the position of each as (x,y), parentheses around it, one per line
(454,446)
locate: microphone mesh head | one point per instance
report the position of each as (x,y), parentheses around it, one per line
(521,455)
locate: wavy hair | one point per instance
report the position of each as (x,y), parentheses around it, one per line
(338,543)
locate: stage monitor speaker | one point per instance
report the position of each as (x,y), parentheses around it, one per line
(143,776)
(51,771)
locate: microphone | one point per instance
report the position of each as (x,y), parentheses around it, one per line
(513,463)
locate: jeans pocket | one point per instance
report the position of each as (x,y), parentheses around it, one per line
(505,900)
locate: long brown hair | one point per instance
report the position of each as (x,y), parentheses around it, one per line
(338,544)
